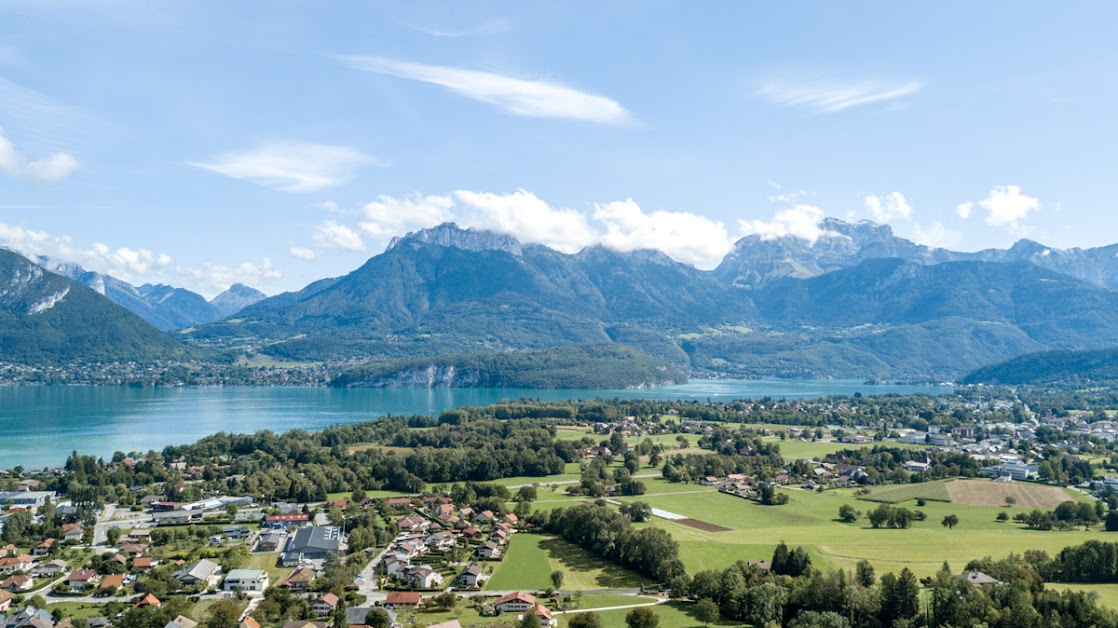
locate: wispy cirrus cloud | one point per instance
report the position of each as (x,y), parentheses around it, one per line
(490,27)
(522,97)
(823,96)
(291,166)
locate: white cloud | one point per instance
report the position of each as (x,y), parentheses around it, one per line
(936,235)
(50,169)
(334,235)
(389,216)
(1007,206)
(964,209)
(801,221)
(303,253)
(136,265)
(291,166)
(528,218)
(491,27)
(830,96)
(682,236)
(522,97)
(209,278)
(892,207)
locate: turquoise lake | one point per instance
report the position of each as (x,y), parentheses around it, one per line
(41,425)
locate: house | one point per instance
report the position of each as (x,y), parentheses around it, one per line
(52,568)
(402,599)
(414,523)
(17,583)
(543,614)
(246,580)
(472,577)
(249,622)
(181,622)
(8,550)
(486,516)
(5,601)
(144,563)
(202,572)
(472,534)
(148,600)
(979,579)
(398,503)
(299,579)
(421,577)
(140,534)
(337,503)
(271,541)
(359,617)
(303,623)
(441,540)
(236,532)
(80,578)
(112,582)
(22,562)
(709,480)
(313,543)
(42,549)
(512,518)
(30,617)
(855,439)
(515,602)
(916,467)
(393,565)
(324,605)
(293,520)
(444,509)
(489,551)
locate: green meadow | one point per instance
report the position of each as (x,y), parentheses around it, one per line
(532,557)
(810,519)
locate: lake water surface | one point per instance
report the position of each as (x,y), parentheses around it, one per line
(41,425)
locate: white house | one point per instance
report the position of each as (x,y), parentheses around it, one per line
(246,580)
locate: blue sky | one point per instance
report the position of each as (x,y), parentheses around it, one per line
(204,143)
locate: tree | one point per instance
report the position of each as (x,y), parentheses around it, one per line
(224,614)
(585,620)
(950,521)
(112,535)
(864,573)
(358,495)
(1111,522)
(557,578)
(706,611)
(637,511)
(445,600)
(848,514)
(529,620)
(642,618)
(1003,516)
(1010,500)
(378,618)
(526,494)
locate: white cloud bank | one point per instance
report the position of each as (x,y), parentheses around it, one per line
(830,97)
(137,265)
(291,166)
(334,235)
(522,97)
(801,221)
(1005,207)
(50,169)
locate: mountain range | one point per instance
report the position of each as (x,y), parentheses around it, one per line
(165,307)
(856,302)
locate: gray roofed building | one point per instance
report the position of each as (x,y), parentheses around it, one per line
(313,543)
(181,622)
(30,617)
(201,571)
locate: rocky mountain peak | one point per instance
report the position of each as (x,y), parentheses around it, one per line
(450,234)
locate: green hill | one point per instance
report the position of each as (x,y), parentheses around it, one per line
(1080,368)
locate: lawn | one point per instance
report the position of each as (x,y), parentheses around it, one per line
(78,609)
(267,562)
(810,519)
(672,615)
(1108,593)
(792,450)
(532,557)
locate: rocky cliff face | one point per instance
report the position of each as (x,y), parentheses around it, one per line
(450,235)
(431,376)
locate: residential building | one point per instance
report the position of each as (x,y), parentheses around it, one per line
(402,600)
(515,602)
(203,572)
(246,580)
(181,622)
(80,578)
(324,605)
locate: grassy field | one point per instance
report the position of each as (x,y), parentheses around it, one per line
(531,559)
(988,493)
(672,615)
(1108,593)
(897,493)
(808,450)
(811,519)
(77,609)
